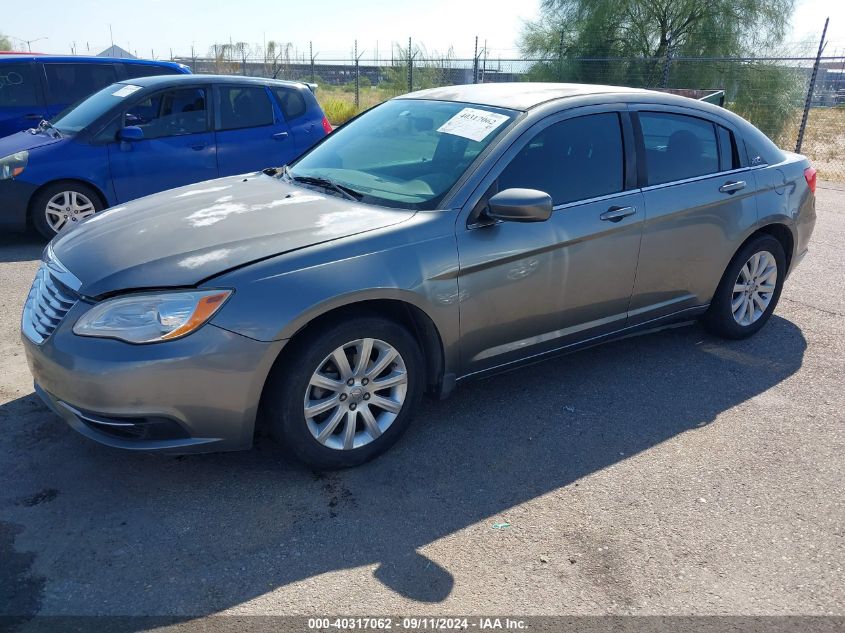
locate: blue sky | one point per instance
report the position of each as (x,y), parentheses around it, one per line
(157,26)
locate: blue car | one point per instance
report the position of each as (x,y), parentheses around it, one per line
(36,87)
(139,137)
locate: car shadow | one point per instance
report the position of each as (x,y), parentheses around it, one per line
(19,247)
(129,533)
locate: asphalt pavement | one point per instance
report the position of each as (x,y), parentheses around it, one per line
(672,473)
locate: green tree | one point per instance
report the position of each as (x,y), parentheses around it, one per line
(647,28)
(628,42)
(5,43)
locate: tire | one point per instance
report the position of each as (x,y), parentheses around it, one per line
(291,384)
(720,318)
(74,200)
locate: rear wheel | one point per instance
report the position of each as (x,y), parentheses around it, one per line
(749,290)
(344,395)
(63,205)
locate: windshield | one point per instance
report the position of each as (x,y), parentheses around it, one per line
(405,153)
(85,112)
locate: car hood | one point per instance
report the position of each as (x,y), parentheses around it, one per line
(25,140)
(184,236)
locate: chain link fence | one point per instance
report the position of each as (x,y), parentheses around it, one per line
(770,92)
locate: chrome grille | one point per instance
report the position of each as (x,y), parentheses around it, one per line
(47,304)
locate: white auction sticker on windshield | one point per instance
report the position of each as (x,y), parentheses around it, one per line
(473,124)
(125,91)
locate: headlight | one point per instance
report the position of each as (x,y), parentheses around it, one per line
(13,165)
(150,318)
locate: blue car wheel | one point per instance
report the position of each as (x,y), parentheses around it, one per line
(62,205)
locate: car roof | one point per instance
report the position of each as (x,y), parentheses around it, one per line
(83,59)
(517,95)
(157,81)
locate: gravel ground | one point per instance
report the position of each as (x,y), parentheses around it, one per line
(673,473)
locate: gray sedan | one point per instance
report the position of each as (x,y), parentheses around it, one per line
(440,236)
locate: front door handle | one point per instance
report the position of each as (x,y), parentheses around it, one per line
(33,117)
(280,136)
(732,186)
(198,146)
(615,214)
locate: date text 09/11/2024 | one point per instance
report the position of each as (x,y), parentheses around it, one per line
(417,623)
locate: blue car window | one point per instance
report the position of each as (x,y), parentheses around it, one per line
(148,70)
(99,104)
(170,113)
(291,102)
(70,83)
(242,107)
(17,86)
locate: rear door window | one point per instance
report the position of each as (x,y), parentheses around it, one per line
(576,159)
(291,102)
(18,87)
(678,146)
(728,154)
(243,106)
(70,83)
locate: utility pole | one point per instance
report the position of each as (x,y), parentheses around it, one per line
(668,62)
(111,36)
(410,68)
(810,89)
(484,66)
(357,79)
(560,57)
(475,62)
(29,43)
(311,56)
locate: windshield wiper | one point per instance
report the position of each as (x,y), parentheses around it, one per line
(322,181)
(45,126)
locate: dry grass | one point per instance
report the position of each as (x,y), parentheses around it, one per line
(824,142)
(338,102)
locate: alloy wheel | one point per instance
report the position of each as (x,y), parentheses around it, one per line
(68,207)
(754,288)
(355,394)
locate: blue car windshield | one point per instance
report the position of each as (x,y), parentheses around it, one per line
(83,113)
(405,153)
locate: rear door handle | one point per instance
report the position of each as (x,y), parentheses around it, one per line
(33,117)
(198,146)
(732,186)
(280,136)
(615,214)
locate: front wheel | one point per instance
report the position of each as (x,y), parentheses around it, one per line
(63,205)
(749,290)
(344,395)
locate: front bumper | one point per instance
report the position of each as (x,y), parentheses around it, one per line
(14,203)
(191,395)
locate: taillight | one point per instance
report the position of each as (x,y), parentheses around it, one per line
(810,177)
(327,127)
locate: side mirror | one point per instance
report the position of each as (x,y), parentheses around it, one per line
(131,133)
(520,205)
